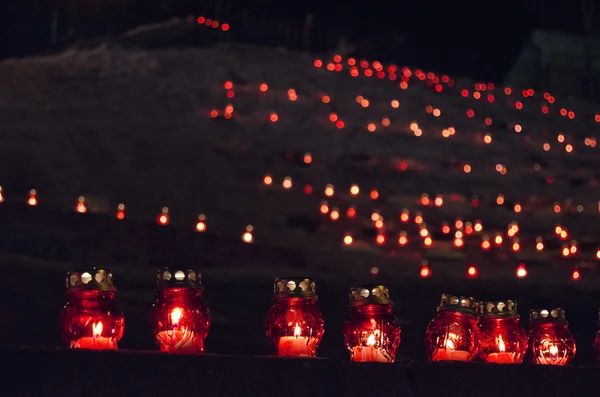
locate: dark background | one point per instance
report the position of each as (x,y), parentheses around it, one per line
(473,38)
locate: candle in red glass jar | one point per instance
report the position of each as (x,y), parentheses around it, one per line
(597,341)
(502,339)
(371,332)
(181,318)
(550,341)
(91,318)
(294,323)
(453,334)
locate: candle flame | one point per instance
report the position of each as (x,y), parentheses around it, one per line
(371,340)
(97,329)
(297,331)
(450,341)
(550,354)
(176,315)
(553,351)
(500,343)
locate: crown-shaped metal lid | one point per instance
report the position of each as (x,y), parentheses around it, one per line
(294,287)
(499,309)
(458,303)
(174,277)
(370,294)
(90,280)
(553,315)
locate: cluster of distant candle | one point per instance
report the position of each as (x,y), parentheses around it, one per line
(392,72)
(464,329)
(461,232)
(162,218)
(212,23)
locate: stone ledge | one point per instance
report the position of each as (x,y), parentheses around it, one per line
(33,372)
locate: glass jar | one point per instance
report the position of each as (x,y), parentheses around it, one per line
(550,341)
(181,318)
(453,333)
(294,324)
(371,331)
(91,318)
(502,339)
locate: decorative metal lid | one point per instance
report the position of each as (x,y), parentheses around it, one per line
(370,294)
(90,280)
(554,315)
(171,277)
(294,287)
(499,309)
(458,303)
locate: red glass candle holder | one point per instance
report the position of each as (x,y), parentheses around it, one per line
(597,341)
(502,339)
(550,341)
(181,318)
(91,318)
(294,324)
(453,333)
(371,332)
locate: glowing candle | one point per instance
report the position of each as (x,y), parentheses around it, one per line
(369,353)
(294,346)
(181,318)
(294,323)
(449,354)
(371,331)
(91,318)
(453,333)
(502,339)
(96,341)
(502,357)
(551,342)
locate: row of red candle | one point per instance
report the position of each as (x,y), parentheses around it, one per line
(462,330)
(381,238)
(465,329)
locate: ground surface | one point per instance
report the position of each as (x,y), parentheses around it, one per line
(133,125)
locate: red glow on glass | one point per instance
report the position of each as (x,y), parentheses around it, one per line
(295,327)
(181,319)
(550,341)
(371,332)
(452,336)
(502,340)
(91,319)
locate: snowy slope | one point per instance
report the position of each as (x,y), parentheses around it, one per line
(133,126)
